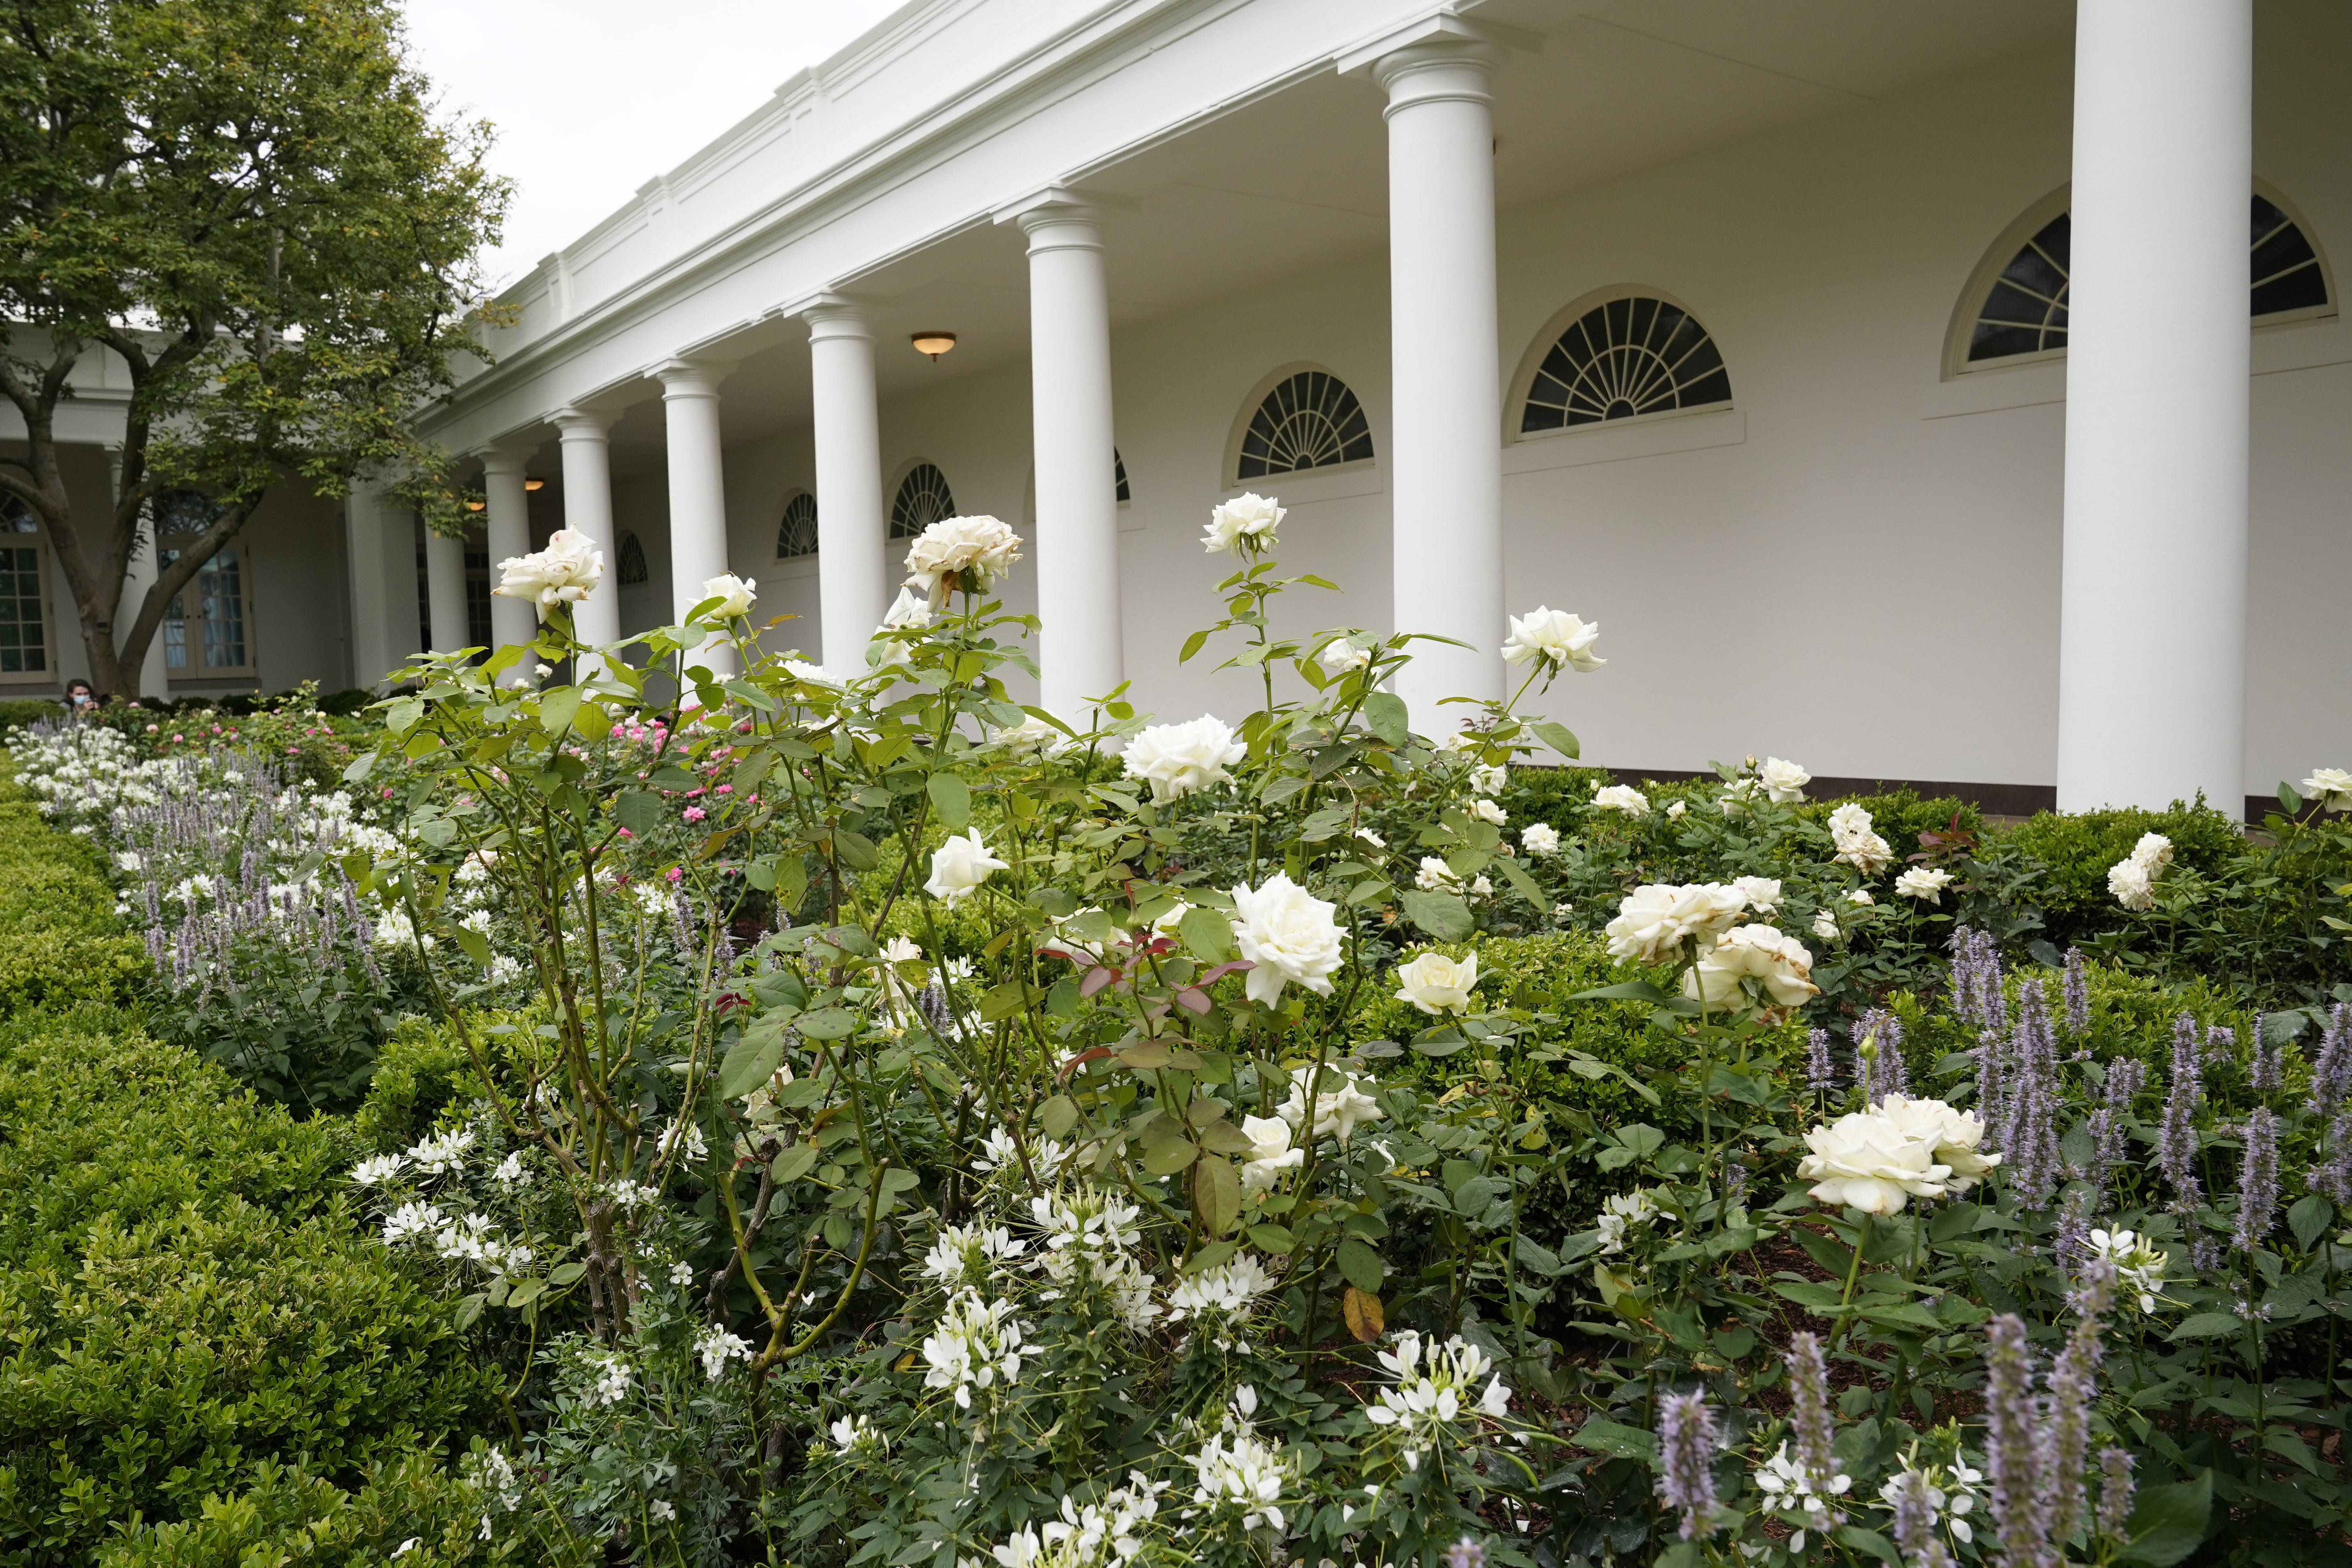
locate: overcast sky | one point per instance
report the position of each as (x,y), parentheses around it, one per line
(593,98)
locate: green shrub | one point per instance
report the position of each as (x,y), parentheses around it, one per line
(59,941)
(422,1068)
(2075,850)
(15,711)
(1900,816)
(289,1518)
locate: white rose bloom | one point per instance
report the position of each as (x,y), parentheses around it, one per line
(1339,655)
(1954,1134)
(1654,919)
(2154,851)
(2329,788)
(1372,838)
(958,866)
(565,572)
(1760,953)
(1623,797)
(1032,736)
(966,553)
(734,593)
(1248,517)
(900,950)
(1860,897)
(1270,1151)
(1924,883)
(1343,1106)
(1674,809)
(1869,1161)
(1762,893)
(1825,926)
(1288,934)
(1177,759)
(2132,887)
(1540,840)
(1783,781)
(1489,778)
(1437,984)
(1556,637)
(815,675)
(1435,876)
(1866,852)
(1487,811)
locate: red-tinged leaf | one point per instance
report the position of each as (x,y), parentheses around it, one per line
(1193,999)
(1083,960)
(1236,967)
(1092,1053)
(1100,976)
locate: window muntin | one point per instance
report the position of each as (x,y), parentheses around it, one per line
(24,609)
(1118,477)
(478,596)
(2025,309)
(633,568)
(1308,421)
(796,531)
(923,498)
(1623,358)
(212,637)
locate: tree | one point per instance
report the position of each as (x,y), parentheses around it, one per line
(255,206)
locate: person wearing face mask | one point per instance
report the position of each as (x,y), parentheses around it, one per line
(78,699)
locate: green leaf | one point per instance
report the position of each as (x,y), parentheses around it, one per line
(793,1164)
(1003,1001)
(1606,1436)
(1058,1115)
(476,945)
(1525,883)
(1360,1265)
(1168,1158)
(1536,1258)
(639,810)
(1869,1541)
(2208,1325)
(1443,916)
(1385,716)
(1629,991)
(1275,1240)
(1216,1193)
(557,708)
(469,1308)
(564,1274)
(1193,645)
(1207,932)
(951,798)
(827,1024)
(2309,1218)
(2170,1522)
(1557,736)
(750,1062)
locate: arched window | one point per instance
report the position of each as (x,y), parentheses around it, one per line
(633,563)
(923,498)
(1619,359)
(24,607)
(207,627)
(1310,419)
(2020,309)
(796,533)
(1118,477)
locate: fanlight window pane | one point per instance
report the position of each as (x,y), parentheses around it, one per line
(212,637)
(796,534)
(1623,359)
(1309,421)
(2025,310)
(633,562)
(1118,473)
(923,500)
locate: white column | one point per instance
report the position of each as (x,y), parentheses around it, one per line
(851,568)
(1083,655)
(151,678)
(1445,442)
(2152,631)
(588,510)
(444,589)
(381,555)
(506,522)
(698,490)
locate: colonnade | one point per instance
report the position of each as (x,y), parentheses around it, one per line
(2152,652)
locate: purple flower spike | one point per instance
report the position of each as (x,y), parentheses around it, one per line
(1686,1445)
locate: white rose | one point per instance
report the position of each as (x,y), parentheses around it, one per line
(1556,637)
(1177,759)
(2329,788)
(1866,852)
(1654,919)
(1247,521)
(2132,887)
(1761,953)
(960,553)
(1489,778)
(1925,883)
(734,594)
(1674,809)
(1622,797)
(1032,736)
(1437,984)
(815,675)
(1955,1136)
(566,571)
(1540,840)
(1339,655)
(958,866)
(1783,781)
(1487,811)
(1762,893)
(906,612)
(1868,1161)
(1825,926)
(1339,1108)
(2154,851)
(1372,838)
(1435,876)
(1287,934)
(1270,1151)
(1860,897)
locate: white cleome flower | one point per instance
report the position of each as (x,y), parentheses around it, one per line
(965,554)
(1287,934)
(2139,1267)
(1778,961)
(1229,1287)
(960,865)
(1425,1402)
(1554,636)
(734,594)
(1176,760)
(978,1342)
(377,1169)
(1868,1160)
(1622,797)
(969,1255)
(565,572)
(1540,840)
(1783,781)
(716,1346)
(1654,919)
(1437,984)
(2329,788)
(1926,883)
(1245,522)
(856,1436)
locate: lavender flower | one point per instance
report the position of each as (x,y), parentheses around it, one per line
(2028,1131)
(2333,1176)
(2073,1242)
(1976,994)
(2074,1387)
(2176,1144)
(1878,1047)
(2258,1181)
(2331,1072)
(2268,1070)
(1821,1070)
(1686,1446)
(2077,990)
(1914,1520)
(1809,1410)
(1991,1055)
(2187,1060)
(1466,1553)
(2114,1493)
(2012,1457)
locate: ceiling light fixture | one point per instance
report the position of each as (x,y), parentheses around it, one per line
(534,483)
(476,505)
(933,343)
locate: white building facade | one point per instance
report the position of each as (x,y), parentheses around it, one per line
(1946,393)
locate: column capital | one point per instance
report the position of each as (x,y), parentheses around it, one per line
(1439,41)
(835,315)
(1076,212)
(583,423)
(506,456)
(694,375)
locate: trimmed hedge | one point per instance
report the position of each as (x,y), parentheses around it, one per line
(59,942)
(2075,850)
